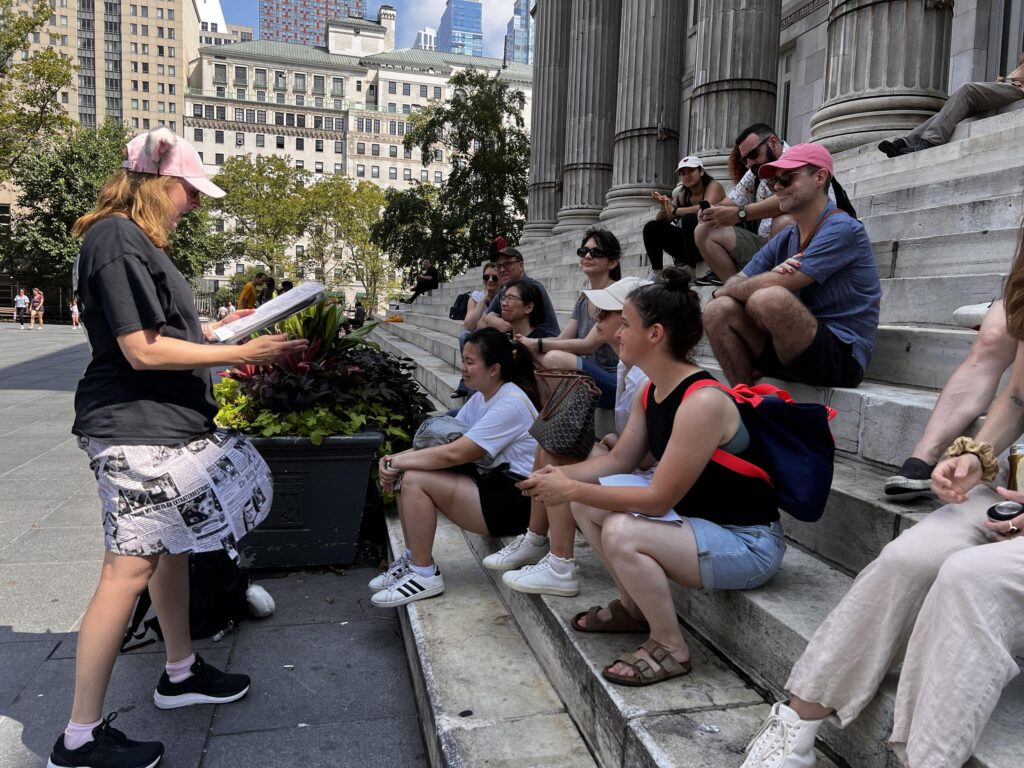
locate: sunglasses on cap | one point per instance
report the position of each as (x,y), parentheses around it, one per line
(595,252)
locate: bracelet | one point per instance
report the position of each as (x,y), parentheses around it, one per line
(540,346)
(984,452)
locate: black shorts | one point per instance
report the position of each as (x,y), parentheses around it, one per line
(828,362)
(506,510)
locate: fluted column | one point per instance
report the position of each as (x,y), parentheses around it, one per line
(590,120)
(646,147)
(877,88)
(547,129)
(737,66)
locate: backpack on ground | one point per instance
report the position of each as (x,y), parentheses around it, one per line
(842,199)
(216,601)
(795,439)
(459,307)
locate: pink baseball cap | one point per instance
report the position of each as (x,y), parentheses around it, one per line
(796,156)
(161,153)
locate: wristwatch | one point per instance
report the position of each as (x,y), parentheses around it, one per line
(742,213)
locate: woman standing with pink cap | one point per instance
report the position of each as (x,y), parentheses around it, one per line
(144,415)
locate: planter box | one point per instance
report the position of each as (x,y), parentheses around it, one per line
(319,497)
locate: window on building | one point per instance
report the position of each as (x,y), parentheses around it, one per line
(392,173)
(375,172)
(319,82)
(337,167)
(423,91)
(439,155)
(218,159)
(300,143)
(393,150)
(339,147)
(360,148)
(261,116)
(300,121)
(300,100)
(375,150)
(318,167)
(406,89)
(261,140)
(299,82)
(208,112)
(438,177)
(239,269)
(424,175)
(241,75)
(407,154)
(259,79)
(437,91)
(300,164)
(222,113)
(197,134)
(392,87)
(218,137)
(361,171)
(239,139)
(279,142)
(239,115)
(407,174)
(319,145)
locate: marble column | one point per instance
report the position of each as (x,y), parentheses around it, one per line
(886,72)
(734,84)
(547,132)
(646,147)
(590,118)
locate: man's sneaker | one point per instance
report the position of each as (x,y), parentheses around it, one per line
(784,741)
(709,278)
(207,685)
(396,569)
(971,315)
(516,554)
(109,748)
(408,588)
(913,481)
(892,148)
(542,579)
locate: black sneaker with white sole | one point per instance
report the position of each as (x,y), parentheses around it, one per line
(109,748)
(207,685)
(913,481)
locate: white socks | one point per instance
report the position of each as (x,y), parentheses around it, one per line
(535,539)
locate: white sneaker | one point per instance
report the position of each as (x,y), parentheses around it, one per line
(542,579)
(396,569)
(784,741)
(518,553)
(971,315)
(408,588)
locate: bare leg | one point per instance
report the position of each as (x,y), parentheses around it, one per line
(424,492)
(591,521)
(735,338)
(168,586)
(808,710)
(715,244)
(122,580)
(971,388)
(556,521)
(786,320)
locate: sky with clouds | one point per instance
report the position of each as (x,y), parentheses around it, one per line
(413,15)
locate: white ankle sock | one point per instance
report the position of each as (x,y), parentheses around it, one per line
(77,734)
(407,554)
(180,670)
(561,565)
(535,538)
(428,570)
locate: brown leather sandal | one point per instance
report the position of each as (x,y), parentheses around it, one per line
(645,673)
(621,620)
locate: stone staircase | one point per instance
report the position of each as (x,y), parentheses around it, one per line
(943,226)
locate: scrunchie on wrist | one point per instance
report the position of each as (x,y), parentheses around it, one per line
(984,452)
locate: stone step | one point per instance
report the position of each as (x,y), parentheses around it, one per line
(988,213)
(478,697)
(985,251)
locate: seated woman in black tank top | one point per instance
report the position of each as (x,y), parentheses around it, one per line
(696,523)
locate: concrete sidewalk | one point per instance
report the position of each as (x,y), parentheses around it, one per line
(331,683)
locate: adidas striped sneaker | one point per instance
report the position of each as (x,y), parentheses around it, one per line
(407,588)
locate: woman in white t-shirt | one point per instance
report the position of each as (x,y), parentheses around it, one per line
(444,478)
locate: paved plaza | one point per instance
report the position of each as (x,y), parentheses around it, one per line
(331,684)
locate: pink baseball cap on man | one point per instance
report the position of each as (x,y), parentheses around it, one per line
(797,156)
(161,153)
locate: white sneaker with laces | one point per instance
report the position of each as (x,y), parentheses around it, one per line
(407,588)
(542,579)
(971,315)
(516,554)
(397,568)
(784,741)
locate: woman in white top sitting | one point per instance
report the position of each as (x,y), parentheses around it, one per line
(444,478)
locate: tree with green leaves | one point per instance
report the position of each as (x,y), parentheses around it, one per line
(196,246)
(481,130)
(326,204)
(264,206)
(366,264)
(29,83)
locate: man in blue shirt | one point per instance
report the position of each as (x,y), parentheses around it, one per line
(806,306)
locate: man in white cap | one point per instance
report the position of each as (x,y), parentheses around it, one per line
(805,308)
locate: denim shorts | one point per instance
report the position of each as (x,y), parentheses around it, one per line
(605,381)
(737,556)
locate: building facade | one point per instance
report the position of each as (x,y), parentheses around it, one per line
(426,39)
(519,33)
(339,108)
(303,23)
(461,28)
(630,86)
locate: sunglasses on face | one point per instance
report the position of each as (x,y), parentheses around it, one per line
(783,180)
(751,156)
(490,278)
(595,252)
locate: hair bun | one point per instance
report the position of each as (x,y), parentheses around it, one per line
(676,279)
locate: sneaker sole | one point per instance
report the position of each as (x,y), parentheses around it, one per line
(433,592)
(530,589)
(188,699)
(51,764)
(502,567)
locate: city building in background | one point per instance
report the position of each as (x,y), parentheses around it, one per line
(302,22)
(340,108)
(461,28)
(519,35)
(214,29)
(426,39)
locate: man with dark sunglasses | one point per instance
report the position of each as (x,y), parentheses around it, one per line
(730,233)
(805,308)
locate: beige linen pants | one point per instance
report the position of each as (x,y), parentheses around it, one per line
(967,100)
(946,600)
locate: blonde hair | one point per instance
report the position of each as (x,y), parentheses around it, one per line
(141,197)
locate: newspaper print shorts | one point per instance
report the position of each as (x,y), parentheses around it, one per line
(198,496)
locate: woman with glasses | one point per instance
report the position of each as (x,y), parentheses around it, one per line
(522,307)
(673,227)
(480,299)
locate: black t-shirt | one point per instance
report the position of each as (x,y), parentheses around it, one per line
(127,284)
(431,279)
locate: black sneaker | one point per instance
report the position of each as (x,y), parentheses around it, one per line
(892,148)
(208,685)
(109,748)
(708,278)
(913,481)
